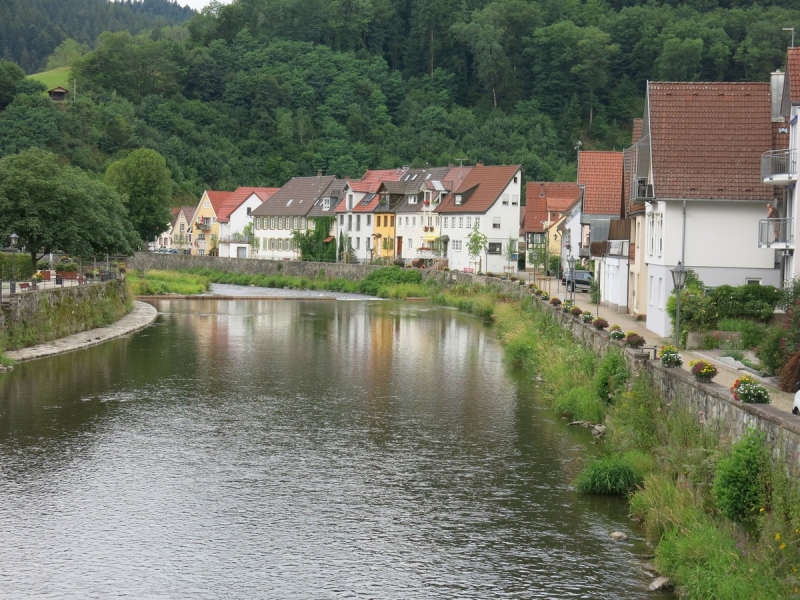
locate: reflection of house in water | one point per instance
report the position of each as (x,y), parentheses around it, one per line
(58,94)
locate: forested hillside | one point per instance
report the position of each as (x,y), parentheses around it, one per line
(258,91)
(31,29)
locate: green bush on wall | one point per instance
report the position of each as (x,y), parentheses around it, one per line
(15,264)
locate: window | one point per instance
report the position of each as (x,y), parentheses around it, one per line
(515,178)
(326,204)
(280,222)
(311,224)
(358,222)
(295,222)
(660,292)
(749,281)
(201,236)
(458,199)
(349,222)
(495,222)
(413,221)
(201,252)
(207,204)
(182,226)
(349,201)
(430,221)
(264,244)
(445,223)
(272,222)
(412,199)
(478,222)
(505,200)
(437,221)
(407,221)
(249,210)
(650,291)
(358,243)
(341,220)
(392,225)
(514,199)
(367,242)
(495,248)
(272,243)
(469,222)
(410,242)
(369,220)
(303,223)
(460,221)
(456,245)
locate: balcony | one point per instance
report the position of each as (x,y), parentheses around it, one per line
(236,238)
(776,233)
(203,225)
(642,191)
(779,167)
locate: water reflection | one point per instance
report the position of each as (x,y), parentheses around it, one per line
(297,449)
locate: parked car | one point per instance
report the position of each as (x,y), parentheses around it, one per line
(796,405)
(582,280)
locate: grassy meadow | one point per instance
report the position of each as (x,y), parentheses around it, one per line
(55,78)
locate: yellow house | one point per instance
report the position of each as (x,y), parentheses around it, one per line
(204,226)
(384,234)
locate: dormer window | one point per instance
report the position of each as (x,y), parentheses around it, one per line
(349,201)
(326,204)
(412,199)
(458,198)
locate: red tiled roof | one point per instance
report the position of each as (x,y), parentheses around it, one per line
(793,68)
(546,201)
(601,173)
(370,181)
(636,133)
(481,188)
(707,139)
(237,198)
(217,199)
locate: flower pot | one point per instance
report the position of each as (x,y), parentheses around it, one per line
(703,378)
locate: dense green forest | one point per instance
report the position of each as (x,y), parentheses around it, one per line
(31,29)
(258,91)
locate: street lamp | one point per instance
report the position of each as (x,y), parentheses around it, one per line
(679,279)
(571,267)
(14,237)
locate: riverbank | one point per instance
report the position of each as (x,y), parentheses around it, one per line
(139,317)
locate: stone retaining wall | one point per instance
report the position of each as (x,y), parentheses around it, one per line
(713,404)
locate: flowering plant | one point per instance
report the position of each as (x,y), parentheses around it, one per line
(747,389)
(544,296)
(669,356)
(575,311)
(600,323)
(555,301)
(587,317)
(703,369)
(566,307)
(615,332)
(634,340)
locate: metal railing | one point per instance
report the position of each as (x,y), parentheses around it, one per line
(776,233)
(236,238)
(15,287)
(778,163)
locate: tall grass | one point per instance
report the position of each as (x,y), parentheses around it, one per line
(155,282)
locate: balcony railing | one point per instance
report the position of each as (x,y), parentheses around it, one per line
(776,233)
(236,238)
(779,166)
(203,225)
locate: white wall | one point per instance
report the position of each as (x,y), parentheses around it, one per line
(614,283)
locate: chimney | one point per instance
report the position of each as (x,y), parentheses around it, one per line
(776,91)
(478,164)
(319,173)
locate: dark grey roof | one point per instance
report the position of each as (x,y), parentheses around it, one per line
(334,192)
(296,198)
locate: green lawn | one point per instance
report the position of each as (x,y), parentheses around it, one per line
(55,78)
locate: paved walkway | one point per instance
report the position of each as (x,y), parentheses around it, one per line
(141,316)
(728,373)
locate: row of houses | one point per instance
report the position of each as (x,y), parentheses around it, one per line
(397,213)
(709,180)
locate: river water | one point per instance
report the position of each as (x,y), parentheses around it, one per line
(298,449)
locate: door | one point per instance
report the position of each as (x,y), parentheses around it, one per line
(241,252)
(399,247)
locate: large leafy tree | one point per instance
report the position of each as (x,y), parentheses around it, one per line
(53,207)
(147,182)
(10,76)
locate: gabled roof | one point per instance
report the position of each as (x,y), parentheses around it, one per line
(188,213)
(296,198)
(334,192)
(707,139)
(546,201)
(217,198)
(479,190)
(238,197)
(370,181)
(793,68)
(601,173)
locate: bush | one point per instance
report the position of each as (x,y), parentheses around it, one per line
(741,487)
(610,475)
(389,276)
(772,352)
(790,374)
(611,376)
(16,263)
(600,323)
(43,265)
(578,403)
(66,267)
(634,340)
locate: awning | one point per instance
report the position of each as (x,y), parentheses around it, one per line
(329,239)
(430,237)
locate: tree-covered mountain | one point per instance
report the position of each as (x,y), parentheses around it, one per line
(31,29)
(258,91)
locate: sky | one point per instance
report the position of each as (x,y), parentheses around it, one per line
(199,4)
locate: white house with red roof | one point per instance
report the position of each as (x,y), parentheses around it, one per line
(490,198)
(234,216)
(696,170)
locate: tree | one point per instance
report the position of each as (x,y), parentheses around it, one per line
(52,207)
(144,177)
(10,76)
(311,243)
(476,243)
(511,251)
(66,54)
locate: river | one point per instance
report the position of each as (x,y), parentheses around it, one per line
(299,449)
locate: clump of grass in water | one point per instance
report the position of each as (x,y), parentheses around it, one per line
(610,475)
